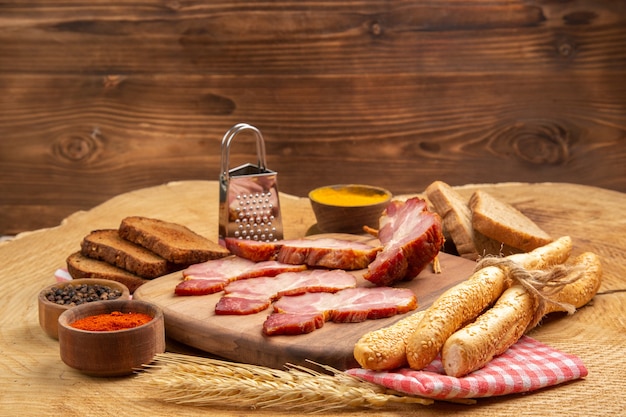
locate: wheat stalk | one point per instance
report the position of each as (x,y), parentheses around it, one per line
(184,379)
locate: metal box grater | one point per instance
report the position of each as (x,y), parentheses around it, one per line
(249,201)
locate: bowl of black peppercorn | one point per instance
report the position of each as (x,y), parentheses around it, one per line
(57,298)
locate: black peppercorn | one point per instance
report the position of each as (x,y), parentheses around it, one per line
(72,295)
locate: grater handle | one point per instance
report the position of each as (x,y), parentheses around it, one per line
(228,138)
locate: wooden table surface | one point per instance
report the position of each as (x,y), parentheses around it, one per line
(35,382)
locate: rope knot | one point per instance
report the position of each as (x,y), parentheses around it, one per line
(543,284)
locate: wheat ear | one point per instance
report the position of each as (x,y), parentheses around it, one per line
(192,380)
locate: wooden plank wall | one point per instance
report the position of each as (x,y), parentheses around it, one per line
(98,98)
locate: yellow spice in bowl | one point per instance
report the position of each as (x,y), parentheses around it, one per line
(348,196)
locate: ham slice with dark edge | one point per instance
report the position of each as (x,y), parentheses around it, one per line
(292,324)
(327,252)
(331,253)
(253,250)
(411,237)
(307,312)
(212,276)
(252,296)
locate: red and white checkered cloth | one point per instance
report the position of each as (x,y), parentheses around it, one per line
(526,366)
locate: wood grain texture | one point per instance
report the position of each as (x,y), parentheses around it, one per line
(30,361)
(99,99)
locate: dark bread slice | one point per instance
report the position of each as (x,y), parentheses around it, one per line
(173,242)
(107,245)
(80,266)
(457,222)
(499,220)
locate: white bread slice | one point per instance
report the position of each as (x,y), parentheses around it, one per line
(488,246)
(456,217)
(501,221)
(457,223)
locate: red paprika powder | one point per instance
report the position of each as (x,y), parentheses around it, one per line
(112,321)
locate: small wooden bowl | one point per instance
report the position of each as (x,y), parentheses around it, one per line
(346,216)
(111,353)
(49,311)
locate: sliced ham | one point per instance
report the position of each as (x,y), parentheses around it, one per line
(327,252)
(292,324)
(253,250)
(212,276)
(411,237)
(309,311)
(252,296)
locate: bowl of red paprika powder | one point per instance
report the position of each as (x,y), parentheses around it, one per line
(111,338)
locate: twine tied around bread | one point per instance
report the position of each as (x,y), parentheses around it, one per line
(543,284)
